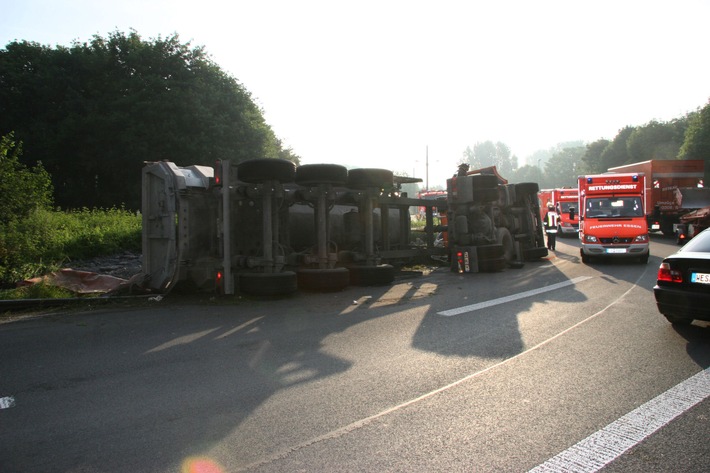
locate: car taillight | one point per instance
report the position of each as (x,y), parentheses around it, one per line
(665,273)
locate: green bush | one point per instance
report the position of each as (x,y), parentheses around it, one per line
(22,190)
(45,239)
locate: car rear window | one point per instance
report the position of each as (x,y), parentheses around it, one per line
(700,243)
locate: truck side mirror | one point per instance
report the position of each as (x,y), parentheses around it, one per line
(571,213)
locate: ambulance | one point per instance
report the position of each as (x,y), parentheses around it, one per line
(563,199)
(612,217)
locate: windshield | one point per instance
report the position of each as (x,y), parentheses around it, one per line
(610,207)
(565,206)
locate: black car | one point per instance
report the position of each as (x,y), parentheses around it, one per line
(683,288)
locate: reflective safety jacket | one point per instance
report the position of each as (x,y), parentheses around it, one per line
(551,221)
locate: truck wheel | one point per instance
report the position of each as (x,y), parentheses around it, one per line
(585,259)
(255,171)
(531,254)
(486,252)
(325,280)
(268,284)
(525,188)
(484,181)
(492,265)
(367,178)
(310,175)
(504,238)
(677,320)
(379,275)
(667,228)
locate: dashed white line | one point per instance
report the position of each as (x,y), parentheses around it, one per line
(513,297)
(606,445)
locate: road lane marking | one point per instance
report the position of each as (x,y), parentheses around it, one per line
(606,445)
(513,297)
(358,424)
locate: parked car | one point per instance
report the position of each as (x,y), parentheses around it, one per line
(682,290)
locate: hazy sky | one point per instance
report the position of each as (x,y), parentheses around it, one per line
(373,83)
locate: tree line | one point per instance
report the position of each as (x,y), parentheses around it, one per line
(687,137)
(94,112)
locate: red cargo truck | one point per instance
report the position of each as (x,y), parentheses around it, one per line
(564,199)
(612,219)
(673,188)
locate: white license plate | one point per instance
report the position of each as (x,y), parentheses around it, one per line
(655,227)
(702,278)
(616,250)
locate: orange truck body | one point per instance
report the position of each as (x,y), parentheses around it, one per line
(562,199)
(612,216)
(673,188)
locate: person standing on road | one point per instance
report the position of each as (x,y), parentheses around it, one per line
(551,221)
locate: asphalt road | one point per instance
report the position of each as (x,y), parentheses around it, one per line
(445,372)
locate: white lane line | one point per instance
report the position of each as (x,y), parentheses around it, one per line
(339,432)
(6,402)
(604,446)
(514,297)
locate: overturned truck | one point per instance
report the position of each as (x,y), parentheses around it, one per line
(268,227)
(492,224)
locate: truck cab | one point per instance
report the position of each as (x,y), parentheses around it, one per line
(563,199)
(612,217)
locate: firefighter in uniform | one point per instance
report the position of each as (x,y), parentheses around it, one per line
(551,221)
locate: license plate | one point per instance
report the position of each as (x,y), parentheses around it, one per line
(655,227)
(702,278)
(616,250)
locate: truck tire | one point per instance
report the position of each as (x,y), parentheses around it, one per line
(495,265)
(268,284)
(676,320)
(486,252)
(525,188)
(585,258)
(531,254)
(370,178)
(491,258)
(380,275)
(255,171)
(323,280)
(310,175)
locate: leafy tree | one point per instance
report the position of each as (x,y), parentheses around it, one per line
(21,189)
(94,112)
(527,173)
(564,167)
(697,138)
(592,156)
(487,153)
(616,153)
(655,140)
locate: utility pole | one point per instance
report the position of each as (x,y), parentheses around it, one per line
(427,168)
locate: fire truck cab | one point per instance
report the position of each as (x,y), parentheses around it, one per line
(563,199)
(612,217)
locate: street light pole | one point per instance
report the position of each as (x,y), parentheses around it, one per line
(427,168)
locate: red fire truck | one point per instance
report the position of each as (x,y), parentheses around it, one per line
(674,188)
(563,199)
(612,217)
